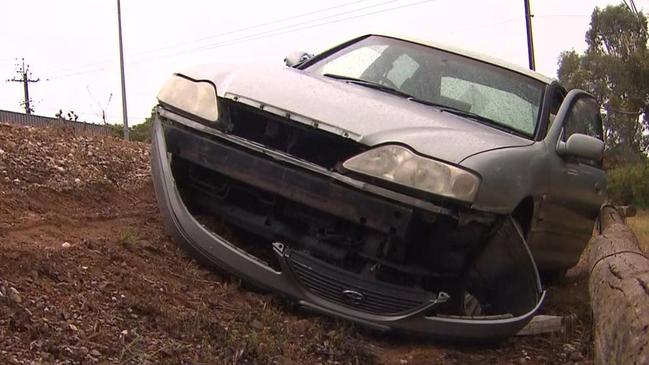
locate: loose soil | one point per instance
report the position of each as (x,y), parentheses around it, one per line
(89,275)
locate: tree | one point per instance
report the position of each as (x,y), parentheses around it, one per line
(615,68)
(140,132)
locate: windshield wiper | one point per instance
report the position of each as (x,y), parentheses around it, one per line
(441,107)
(381,87)
(483,120)
(370,84)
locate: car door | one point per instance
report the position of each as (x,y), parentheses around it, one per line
(577,186)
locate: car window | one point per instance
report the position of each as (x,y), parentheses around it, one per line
(585,118)
(355,63)
(402,69)
(493,103)
(555,100)
(498,96)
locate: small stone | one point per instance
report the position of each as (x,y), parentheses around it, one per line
(65,245)
(2,152)
(403,361)
(14,295)
(569,348)
(61,169)
(16,181)
(95,353)
(256,324)
(576,356)
(73,327)
(77,181)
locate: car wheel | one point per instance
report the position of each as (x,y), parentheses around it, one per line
(504,278)
(472,306)
(553,276)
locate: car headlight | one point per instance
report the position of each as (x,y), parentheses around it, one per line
(400,165)
(194,97)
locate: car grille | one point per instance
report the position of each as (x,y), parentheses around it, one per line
(350,290)
(317,146)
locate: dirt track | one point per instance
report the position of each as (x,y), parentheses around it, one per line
(88,275)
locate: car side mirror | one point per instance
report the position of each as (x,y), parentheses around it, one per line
(582,146)
(295,58)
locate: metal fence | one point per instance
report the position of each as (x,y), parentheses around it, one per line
(40,121)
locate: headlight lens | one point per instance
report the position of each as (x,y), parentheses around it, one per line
(399,165)
(195,97)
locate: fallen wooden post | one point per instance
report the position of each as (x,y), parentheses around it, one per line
(619,293)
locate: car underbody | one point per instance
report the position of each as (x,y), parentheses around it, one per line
(263,197)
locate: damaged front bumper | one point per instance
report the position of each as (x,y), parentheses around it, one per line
(315,284)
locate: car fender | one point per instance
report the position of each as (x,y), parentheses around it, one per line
(509,175)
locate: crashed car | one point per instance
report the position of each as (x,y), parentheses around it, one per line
(395,183)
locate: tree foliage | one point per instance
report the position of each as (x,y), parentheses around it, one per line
(615,68)
(140,132)
(628,185)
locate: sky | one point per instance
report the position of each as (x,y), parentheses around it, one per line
(72,45)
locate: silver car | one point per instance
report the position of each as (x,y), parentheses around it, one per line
(396,183)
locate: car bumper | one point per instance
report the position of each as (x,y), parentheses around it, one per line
(218,251)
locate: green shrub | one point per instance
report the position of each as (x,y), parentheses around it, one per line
(139,132)
(630,185)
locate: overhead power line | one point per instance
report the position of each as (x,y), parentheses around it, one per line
(286,29)
(218,35)
(256,26)
(266,33)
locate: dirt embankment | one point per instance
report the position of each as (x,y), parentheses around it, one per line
(88,275)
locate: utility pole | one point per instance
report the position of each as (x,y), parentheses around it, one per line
(25,79)
(530,40)
(121,67)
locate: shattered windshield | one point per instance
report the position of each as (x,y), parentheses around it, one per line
(494,94)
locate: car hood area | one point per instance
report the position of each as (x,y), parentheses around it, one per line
(371,117)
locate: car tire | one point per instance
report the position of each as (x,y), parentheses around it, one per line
(553,276)
(504,278)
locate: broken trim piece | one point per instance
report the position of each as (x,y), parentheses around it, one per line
(293,116)
(281,156)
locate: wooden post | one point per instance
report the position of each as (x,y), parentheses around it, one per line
(619,293)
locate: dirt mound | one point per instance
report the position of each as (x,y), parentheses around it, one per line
(89,275)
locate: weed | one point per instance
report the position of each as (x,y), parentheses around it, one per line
(640,225)
(129,237)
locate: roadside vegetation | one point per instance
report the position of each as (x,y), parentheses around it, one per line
(615,69)
(140,132)
(640,225)
(630,184)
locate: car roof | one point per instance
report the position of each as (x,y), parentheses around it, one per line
(474,55)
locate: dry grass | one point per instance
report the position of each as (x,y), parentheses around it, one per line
(640,225)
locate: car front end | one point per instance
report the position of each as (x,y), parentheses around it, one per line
(336,218)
